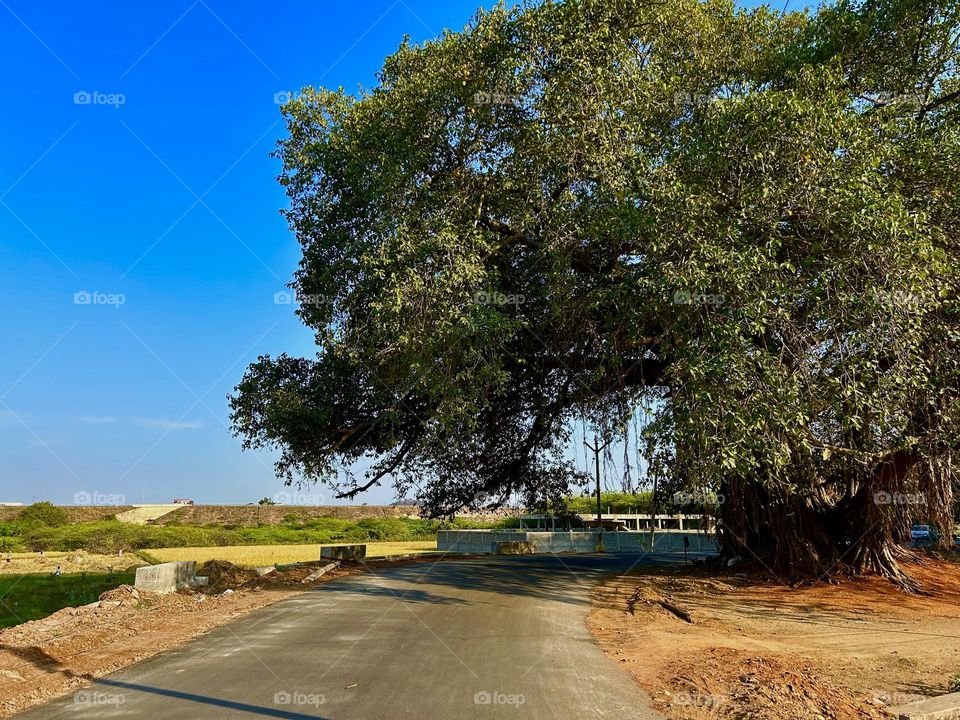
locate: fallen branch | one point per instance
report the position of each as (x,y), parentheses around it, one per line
(679,612)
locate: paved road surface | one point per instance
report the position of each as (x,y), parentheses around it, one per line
(497,638)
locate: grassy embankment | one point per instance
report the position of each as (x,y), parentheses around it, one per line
(43,527)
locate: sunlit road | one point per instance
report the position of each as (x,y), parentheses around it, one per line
(485,638)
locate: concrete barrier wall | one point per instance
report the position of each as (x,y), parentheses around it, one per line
(166,577)
(476,541)
(343,552)
(487,541)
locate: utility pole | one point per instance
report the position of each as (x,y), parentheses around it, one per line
(596,447)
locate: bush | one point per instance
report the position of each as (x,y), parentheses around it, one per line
(8,544)
(108,536)
(42,514)
(617,501)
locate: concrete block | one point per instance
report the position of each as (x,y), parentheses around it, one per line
(320,571)
(166,577)
(943,707)
(343,552)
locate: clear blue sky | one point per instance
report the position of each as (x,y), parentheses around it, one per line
(169,200)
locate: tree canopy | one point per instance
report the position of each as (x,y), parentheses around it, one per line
(744,221)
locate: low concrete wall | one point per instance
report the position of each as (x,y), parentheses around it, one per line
(942,707)
(343,552)
(516,548)
(490,541)
(167,577)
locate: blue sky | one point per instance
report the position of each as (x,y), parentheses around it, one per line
(140,238)
(170,200)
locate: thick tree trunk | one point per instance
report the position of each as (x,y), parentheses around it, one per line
(816,537)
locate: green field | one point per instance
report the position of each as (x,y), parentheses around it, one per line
(31,597)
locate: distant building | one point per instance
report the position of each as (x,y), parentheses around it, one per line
(619,521)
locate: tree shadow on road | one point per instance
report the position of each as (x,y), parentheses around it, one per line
(552,578)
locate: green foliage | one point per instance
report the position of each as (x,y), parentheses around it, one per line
(614,501)
(34,596)
(109,536)
(539,218)
(266,501)
(42,514)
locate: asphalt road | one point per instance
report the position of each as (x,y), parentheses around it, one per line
(485,638)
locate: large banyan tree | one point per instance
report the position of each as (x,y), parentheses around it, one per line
(745,222)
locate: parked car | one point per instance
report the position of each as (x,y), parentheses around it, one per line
(182,501)
(923,534)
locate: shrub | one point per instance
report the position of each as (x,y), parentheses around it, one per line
(108,536)
(42,514)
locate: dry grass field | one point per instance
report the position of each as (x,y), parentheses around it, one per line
(75,561)
(260,555)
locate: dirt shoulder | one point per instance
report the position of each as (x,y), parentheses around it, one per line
(758,649)
(47,658)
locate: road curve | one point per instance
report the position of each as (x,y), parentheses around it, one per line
(444,640)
